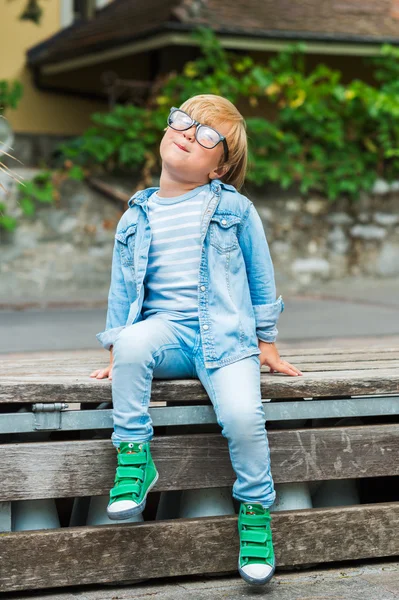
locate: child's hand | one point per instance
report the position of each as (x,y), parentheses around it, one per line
(269,356)
(103,373)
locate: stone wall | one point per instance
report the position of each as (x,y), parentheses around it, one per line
(35,149)
(315,239)
(63,253)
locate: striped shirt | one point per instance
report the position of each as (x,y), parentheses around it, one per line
(171,281)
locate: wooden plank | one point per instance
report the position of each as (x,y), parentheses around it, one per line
(75,388)
(377,357)
(113,553)
(102,355)
(343,351)
(87,467)
(322,366)
(86,361)
(110,191)
(336,352)
(82,368)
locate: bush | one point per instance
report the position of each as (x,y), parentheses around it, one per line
(329,137)
(10,94)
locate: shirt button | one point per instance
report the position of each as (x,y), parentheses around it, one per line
(205,327)
(224,222)
(203,288)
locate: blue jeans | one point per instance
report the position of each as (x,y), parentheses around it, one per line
(165,349)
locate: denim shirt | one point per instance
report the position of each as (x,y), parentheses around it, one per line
(236,289)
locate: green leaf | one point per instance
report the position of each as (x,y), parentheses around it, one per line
(28,206)
(76,173)
(8,223)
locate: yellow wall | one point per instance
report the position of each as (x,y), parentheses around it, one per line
(37,112)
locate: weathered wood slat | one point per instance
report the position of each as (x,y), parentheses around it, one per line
(75,388)
(85,359)
(87,467)
(112,553)
(82,369)
(322,366)
(375,350)
(98,353)
(64,376)
(321,359)
(85,366)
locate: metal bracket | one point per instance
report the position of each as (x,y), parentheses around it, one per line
(48,416)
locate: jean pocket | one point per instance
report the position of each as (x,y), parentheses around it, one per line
(223,231)
(126,240)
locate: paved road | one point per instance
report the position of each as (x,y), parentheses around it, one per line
(304,320)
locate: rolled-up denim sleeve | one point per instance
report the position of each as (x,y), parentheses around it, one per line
(260,273)
(118,303)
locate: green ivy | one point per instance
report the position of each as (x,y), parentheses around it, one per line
(10,94)
(7,222)
(40,190)
(327,136)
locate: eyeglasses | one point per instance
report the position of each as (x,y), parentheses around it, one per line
(206,136)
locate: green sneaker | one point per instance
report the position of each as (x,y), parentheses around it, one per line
(135,476)
(256,562)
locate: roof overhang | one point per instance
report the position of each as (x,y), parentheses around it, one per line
(272,42)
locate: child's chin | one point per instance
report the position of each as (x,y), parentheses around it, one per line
(176,158)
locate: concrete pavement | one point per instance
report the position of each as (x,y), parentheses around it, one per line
(372,581)
(348,312)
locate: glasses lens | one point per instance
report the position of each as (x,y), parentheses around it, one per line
(207,136)
(179,120)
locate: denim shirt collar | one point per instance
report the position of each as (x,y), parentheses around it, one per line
(141,196)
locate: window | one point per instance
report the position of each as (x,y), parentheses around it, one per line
(74,10)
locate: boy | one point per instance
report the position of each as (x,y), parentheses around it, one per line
(193,295)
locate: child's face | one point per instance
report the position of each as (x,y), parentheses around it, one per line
(186,160)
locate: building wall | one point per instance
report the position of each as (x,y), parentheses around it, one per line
(38,112)
(64,251)
(45,112)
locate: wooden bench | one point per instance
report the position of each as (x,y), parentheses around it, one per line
(191,453)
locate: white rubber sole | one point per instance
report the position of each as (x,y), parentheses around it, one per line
(254,581)
(131,512)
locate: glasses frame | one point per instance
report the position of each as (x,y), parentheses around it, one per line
(198,125)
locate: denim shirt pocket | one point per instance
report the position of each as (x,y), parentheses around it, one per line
(127,240)
(223,231)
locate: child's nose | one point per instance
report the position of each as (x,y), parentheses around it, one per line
(189,133)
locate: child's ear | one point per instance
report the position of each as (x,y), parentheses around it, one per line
(219,172)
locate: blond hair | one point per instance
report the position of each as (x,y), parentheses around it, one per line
(214,110)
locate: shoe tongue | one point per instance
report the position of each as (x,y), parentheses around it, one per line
(256,509)
(130,447)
